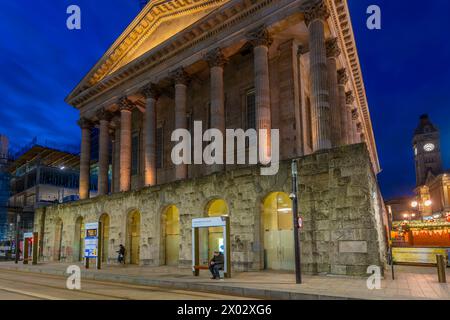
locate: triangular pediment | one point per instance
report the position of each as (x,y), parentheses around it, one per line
(157,22)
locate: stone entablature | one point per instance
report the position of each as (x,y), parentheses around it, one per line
(339,201)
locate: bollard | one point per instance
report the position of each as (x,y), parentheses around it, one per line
(441,266)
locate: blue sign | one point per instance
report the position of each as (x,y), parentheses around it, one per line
(91,240)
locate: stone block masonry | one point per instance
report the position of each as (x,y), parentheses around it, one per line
(340,203)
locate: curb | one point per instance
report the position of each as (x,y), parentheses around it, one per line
(174,284)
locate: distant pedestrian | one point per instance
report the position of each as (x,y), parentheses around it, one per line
(121,256)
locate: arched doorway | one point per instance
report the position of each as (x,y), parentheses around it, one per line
(78,240)
(104,220)
(278,232)
(133,237)
(215,208)
(58,239)
(172,235)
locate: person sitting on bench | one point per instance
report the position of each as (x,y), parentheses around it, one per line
(216,264)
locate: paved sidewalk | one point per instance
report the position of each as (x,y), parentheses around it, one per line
(411,282)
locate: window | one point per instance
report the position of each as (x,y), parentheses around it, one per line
(135,154)
(250,109)
(159,147)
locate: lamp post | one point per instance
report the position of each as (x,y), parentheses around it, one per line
(418,206)
(294,198)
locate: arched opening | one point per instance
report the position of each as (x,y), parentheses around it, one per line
(278,232)
(172,235)
(104,220)
(133,237)
(58,239)
(78,240)
(215,208)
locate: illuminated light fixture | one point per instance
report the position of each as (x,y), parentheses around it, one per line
(405,215)
(284,210)
(436,216)
(62,168)
(414,204)
(428,203)
(413,215)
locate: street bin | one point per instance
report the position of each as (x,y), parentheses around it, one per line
(441,266)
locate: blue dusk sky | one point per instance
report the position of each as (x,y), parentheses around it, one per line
(406,68)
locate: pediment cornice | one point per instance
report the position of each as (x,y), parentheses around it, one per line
(155,13)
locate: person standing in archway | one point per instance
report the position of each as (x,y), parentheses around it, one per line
(121,256)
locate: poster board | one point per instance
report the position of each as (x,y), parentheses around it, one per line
(91,240)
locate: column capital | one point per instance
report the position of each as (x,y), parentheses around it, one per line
(302,49)
(103,114)
(85,123)
(150,91)
(125,104)
(349,97)
(216,58)
(342,76)
(332,48)
(260,37)
(359,127)
(315,11)
(355,115)
(180,76)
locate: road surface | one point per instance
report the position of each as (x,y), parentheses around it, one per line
(16,285)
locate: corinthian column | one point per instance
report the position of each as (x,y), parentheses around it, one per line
(125,106)
(216,61)
(85,157)
(151,94)
(103,151)
(349,101)
(333,52)
(315,18)
(356,132)
(116,156)
(261,41)
(181,80)
(342,80)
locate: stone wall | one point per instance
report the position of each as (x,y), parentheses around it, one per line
(342,233)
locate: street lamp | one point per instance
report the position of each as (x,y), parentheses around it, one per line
(294,197)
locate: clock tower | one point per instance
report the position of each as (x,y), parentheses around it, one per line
(427,150)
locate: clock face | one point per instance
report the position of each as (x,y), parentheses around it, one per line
(428,147)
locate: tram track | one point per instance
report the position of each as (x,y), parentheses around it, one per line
(107,284)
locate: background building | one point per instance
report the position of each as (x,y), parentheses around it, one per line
(40,175)
(423,220)
(4,186)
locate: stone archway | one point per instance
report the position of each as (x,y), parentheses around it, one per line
(277,224)
(133,237)
(58,239)
(105,223)
(78,240)
(215,208)
(171,233)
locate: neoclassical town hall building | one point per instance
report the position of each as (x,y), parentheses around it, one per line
(290,65)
